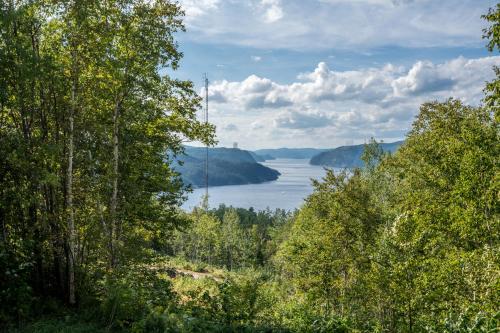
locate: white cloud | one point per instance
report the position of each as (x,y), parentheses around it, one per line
(256,125)
(273,13)
(256,58)
(301,120)
(230,127)
(343,24)
(252,93)
(197,8)
(325,106)
(382,86)
(272,10)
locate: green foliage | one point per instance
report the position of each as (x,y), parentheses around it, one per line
(86,119)
(133,294)
(401,245)
(15,292)
(89,198)
(468,323)
(449,222)
(328,252)
(492,34)
(373,154)
(231,237)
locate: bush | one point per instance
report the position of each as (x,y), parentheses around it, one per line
(133,295)
(15,291)
(468,323)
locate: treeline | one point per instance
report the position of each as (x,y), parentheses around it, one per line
(231,238)
(85,121)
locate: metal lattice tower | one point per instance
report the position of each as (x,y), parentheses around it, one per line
(205,79)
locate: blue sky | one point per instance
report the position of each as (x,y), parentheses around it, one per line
(324,73)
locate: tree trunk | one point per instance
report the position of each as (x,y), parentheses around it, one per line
(69,197)
(114,195)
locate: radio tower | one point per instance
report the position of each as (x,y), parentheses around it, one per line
(205,78)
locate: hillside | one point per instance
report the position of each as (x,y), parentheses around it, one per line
(261,158)
(226,154)
(348,156)
(293,153)
(227,166)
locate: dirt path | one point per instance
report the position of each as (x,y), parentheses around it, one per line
(197,275)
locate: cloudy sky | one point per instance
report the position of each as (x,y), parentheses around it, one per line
(325,73)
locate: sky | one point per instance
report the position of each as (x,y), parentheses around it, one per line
(327,73)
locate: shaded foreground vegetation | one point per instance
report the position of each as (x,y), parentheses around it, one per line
(92,239)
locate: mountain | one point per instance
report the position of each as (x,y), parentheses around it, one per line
(226,154)
(293,153)
(261,158)
(348,156)
(226,166)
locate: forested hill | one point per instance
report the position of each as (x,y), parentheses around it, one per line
(348,156)
(226,154)
(227,166)
(293,153)
(261,157)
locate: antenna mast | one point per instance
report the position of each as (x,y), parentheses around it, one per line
(205,78)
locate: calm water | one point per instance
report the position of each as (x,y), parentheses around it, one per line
(288,192)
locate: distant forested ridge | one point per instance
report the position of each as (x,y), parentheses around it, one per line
(227,166)
(261,157)
(348,156)
(292,153)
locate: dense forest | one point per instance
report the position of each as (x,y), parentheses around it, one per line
(92,238)
(226,166)
(348,156)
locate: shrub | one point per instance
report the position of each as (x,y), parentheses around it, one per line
(132,295)
(15,291)
(468,322)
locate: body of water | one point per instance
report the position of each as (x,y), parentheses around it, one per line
(288,192)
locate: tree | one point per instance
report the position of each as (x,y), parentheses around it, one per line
(447,224)
(401,244)
(492,33)
(234,240)
(89,122)
(327,253)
